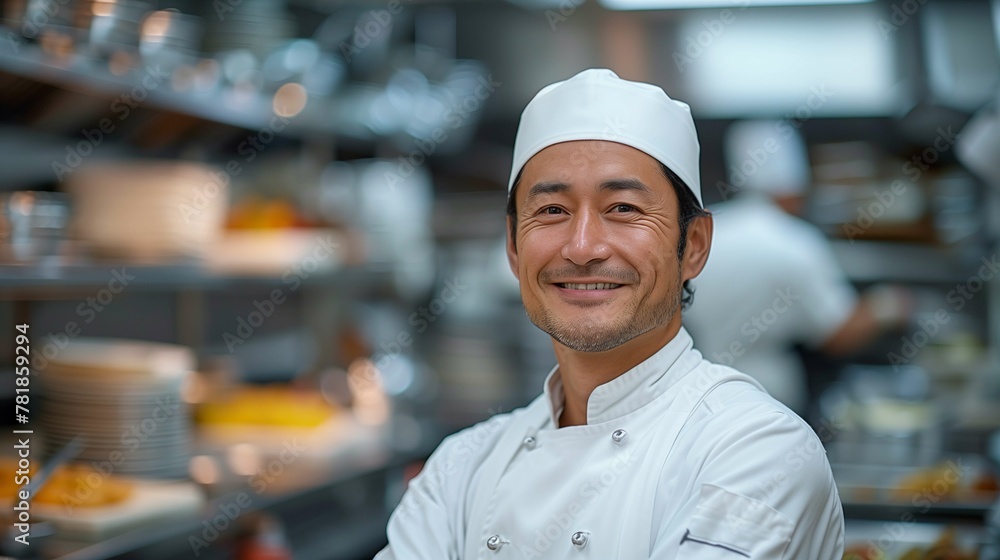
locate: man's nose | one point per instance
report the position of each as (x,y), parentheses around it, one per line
(587,240)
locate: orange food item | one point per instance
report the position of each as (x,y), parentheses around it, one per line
(945,548)
(274,405)
(82,486)
(942,481)
(986,483)
(70,486)
(257,213)
(863,551)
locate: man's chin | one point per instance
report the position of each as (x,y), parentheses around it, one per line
(586,345)
(587,337)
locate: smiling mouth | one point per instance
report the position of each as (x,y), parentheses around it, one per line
(598,286)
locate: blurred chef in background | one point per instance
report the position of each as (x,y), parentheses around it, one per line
(772,280)
(978,148)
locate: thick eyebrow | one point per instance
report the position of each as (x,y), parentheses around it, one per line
(624,185)
(547,187)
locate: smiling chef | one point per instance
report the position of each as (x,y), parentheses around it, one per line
(638,447)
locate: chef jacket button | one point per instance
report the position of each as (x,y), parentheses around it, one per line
(618,436)
(530,442)
(580,538)
(494,543)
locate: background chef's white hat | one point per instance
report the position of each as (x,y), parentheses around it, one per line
(978,146)
(763,156)
(598,105)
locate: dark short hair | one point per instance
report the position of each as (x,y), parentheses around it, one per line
(689,209)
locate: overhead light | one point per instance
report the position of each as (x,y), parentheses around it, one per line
(786,63)
(693,4)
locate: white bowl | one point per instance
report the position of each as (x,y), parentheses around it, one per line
(148,210)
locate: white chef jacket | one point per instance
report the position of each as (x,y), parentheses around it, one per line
(679,459)
(771,281)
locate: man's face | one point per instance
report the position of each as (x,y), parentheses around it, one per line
(596,252)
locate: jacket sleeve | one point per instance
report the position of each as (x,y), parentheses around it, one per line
(422,527)
(764,492)
(430,521)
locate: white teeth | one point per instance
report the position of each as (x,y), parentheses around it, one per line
(598,286)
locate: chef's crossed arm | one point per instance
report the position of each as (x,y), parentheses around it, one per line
(429,522)
(760,487)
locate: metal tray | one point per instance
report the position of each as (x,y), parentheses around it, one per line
(948,492)
(893,539)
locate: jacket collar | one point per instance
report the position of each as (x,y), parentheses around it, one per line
(633,389)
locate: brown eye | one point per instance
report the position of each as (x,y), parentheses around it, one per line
(551,210)
(624,208)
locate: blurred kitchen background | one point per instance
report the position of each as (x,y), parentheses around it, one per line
(259,247)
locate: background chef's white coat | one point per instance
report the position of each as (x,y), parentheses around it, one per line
(744,478)
(768,265)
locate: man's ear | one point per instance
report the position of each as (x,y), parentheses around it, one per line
(699,243)
(511,250)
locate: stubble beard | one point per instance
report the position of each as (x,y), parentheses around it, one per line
(591,336)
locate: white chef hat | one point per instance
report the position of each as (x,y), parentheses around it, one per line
(764,156)
(979,145)
(598,105)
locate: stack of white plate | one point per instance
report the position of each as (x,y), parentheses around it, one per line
(110,26)
(258,26)
(148,211)
(124,398)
